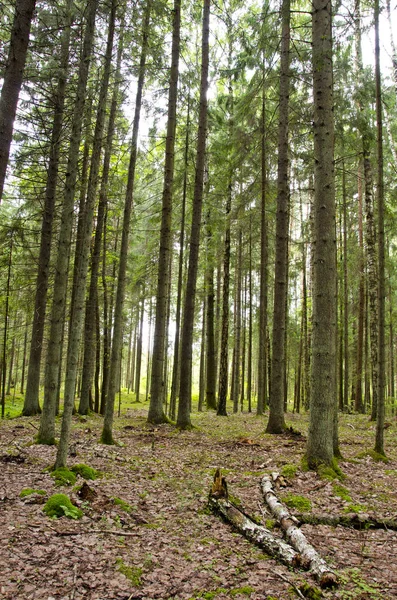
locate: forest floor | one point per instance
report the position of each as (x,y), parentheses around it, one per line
(163,542)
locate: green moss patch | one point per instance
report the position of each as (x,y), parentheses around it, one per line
(134,574)
(59,505)
(289,470)
(342,492)
(85,471)
(374,455)
(299,502)
(30,491)
(122,504)
(63,476)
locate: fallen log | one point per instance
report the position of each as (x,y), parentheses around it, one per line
(219,502)
(352,520)
(310,558)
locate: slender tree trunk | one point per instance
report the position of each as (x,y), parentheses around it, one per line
(47,423)
(346,370)
(12,79)
(224,350)
(358,393)
(210,385)
(157,392)
(97,357)
(237,331)
(5,334)
(276,423)
(107,436)
(31,403)
(263,292)
(25,347)
(379,439)
(183,418)
(320,447)
(139,350)
(202,360)
(250,326)
(176,361)
(89,325)
(243,346)
(82,254)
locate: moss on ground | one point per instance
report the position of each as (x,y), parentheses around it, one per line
(122,504)
(85,471)
(59,505)
(299,502)
(30,491)
(289,470)
(374,455)
(63,476)
(134,574)
(341,492)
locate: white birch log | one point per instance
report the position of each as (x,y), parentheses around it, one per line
(255,533)
(309,556)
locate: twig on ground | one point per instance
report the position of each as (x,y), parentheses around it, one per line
(291,583)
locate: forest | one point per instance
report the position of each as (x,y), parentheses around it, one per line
(198,294)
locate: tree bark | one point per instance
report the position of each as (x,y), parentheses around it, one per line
(183,419)
(276,423)
(89,324)
(47,423)
(157,389)
(309,557)
(13,75)
(323,371)
(107,436)
(176,362)
(31,403)
(379,438)
(263,291)
(82,253)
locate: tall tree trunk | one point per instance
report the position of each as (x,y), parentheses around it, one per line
(263,291)
(202,359)
(379,439)
(210,385)
(250,325)
(157,392)
(237,330)
(323,376)
(25,346)
(31,403)
(82,253)
(224,350)
(183,418)
(5,334)
(47,423)
(141,315)
(107,436)
(89,324)
(12,80)
(276,423)
(346,370)
(358,392)
(176,361)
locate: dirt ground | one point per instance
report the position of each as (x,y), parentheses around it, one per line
(163,542)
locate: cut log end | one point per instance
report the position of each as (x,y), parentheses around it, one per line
(329,580)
